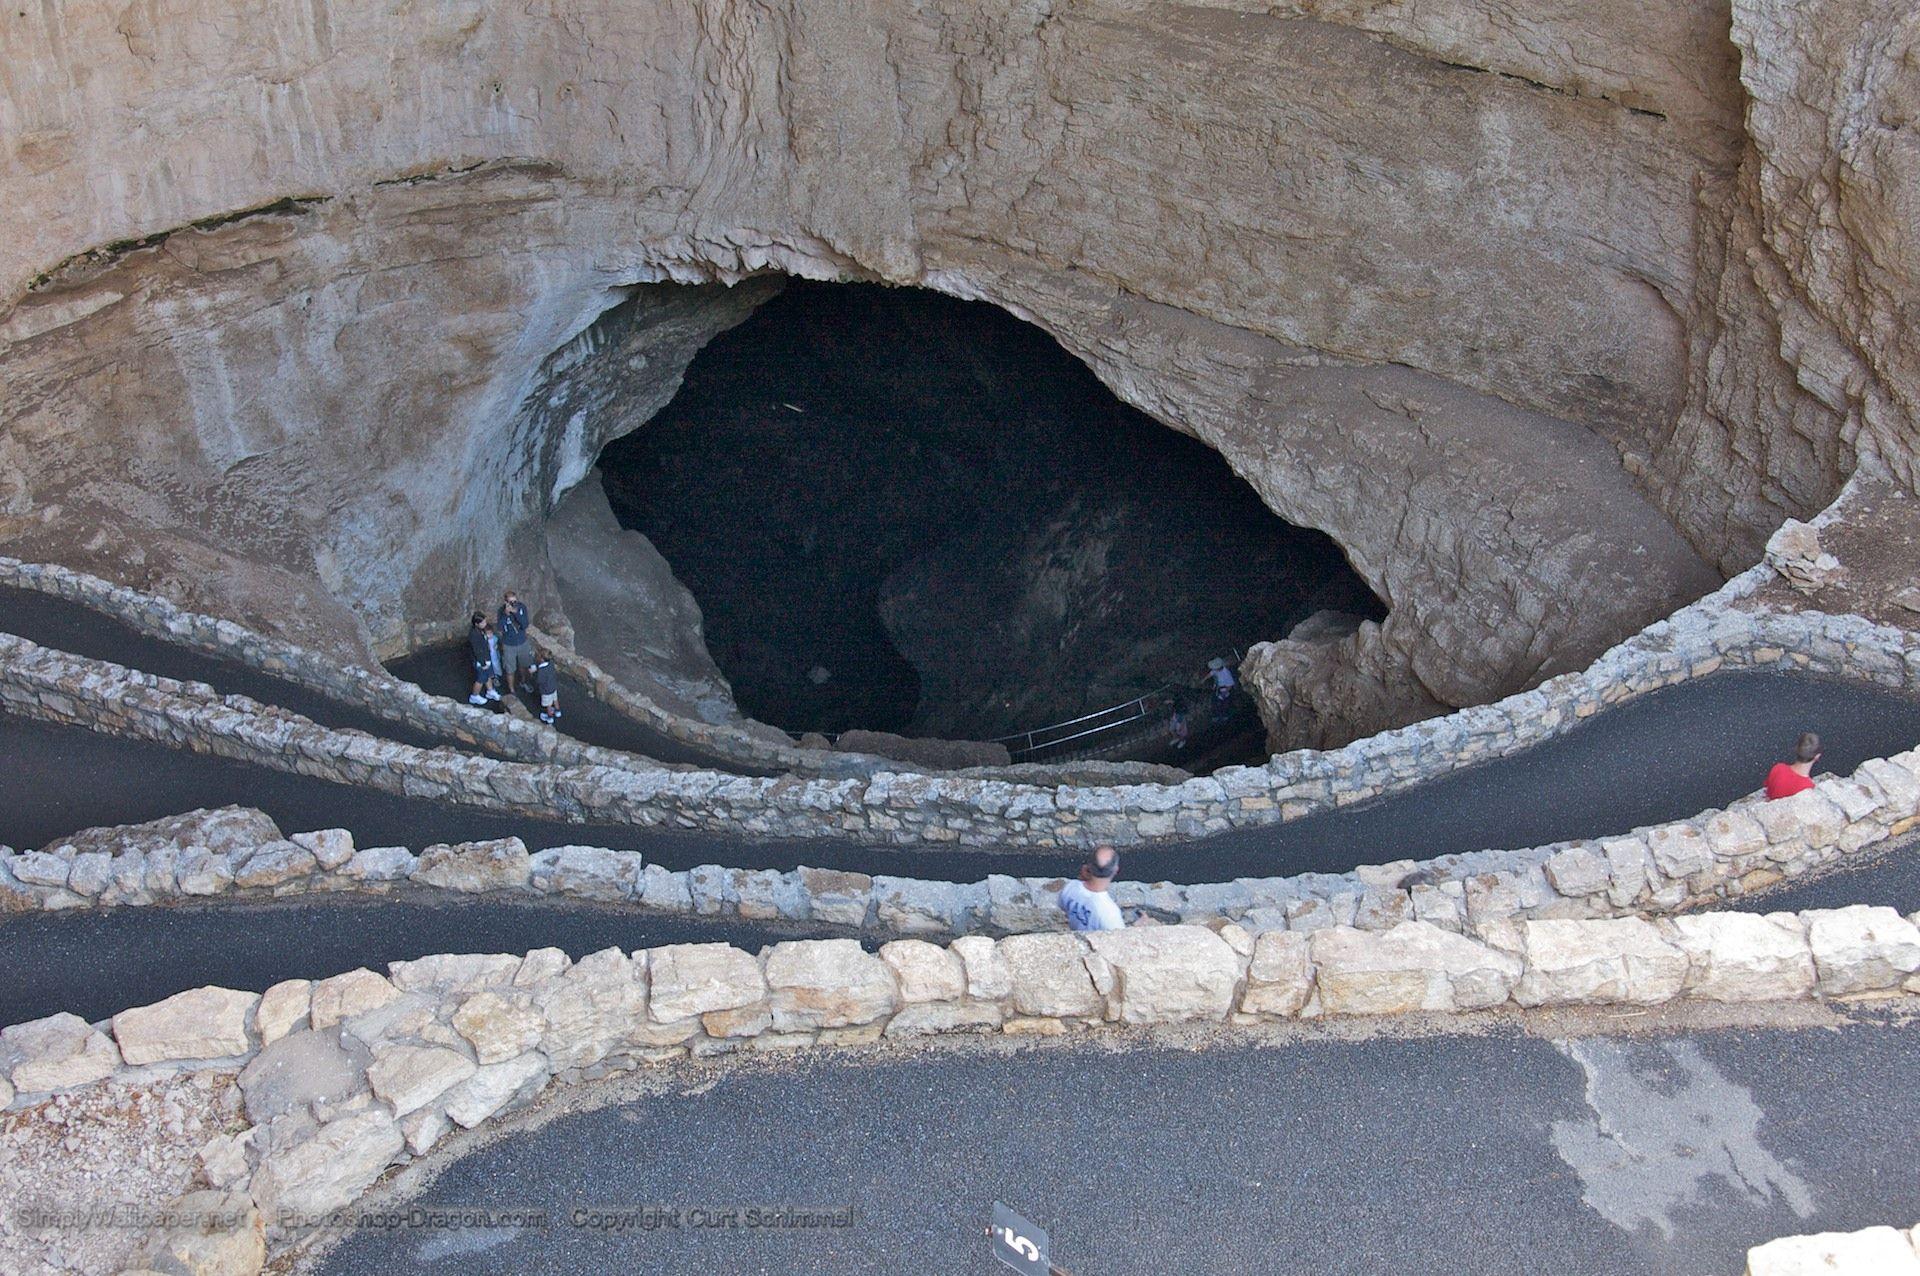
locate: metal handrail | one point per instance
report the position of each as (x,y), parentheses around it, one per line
(1138,704)
(1030,741)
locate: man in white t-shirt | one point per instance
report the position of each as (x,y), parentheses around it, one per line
(1086,902)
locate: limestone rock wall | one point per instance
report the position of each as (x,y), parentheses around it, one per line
(1388,259)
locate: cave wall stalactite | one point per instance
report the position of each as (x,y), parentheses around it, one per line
(1442,284)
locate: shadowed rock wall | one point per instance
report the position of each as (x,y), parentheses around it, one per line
(1386,262)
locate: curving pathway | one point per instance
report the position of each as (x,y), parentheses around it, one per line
(1664,756)
(97,962)
(443,671)
(1607,1154)
(74,627)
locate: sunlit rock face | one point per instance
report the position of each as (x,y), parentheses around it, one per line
(1546,318)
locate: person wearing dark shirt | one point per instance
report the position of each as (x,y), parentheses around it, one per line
(512,622)
(480,648)
(1789,778)
(547,683)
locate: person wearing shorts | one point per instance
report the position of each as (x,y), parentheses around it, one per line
(480,649)
(547,683)
(515,654)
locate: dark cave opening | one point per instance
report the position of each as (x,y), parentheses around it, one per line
(904,512)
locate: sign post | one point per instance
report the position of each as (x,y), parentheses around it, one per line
(1019,1244)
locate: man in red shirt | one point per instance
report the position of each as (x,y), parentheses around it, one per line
(1789,778)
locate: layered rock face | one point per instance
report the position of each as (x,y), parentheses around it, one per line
(1531,311)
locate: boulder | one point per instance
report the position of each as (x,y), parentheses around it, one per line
(56,1053)
(1163,974)
(1861,948)
(211,1233)
(282,1009)
(475,867)
(1623,960)
(202,1023)
(909,906)
(220,831)
(837,898)
(588,872)
(409,1077)
(499,1028)
(827,983)
(1279,976)
(592,1008)
(381,864)
(989,978)
(443,973)
(1414,966)
(332,848)
(202,872)
(36,868)
(1049,977)
(297,1186)
(1018,905)
(494,1087)
(274,864)
(694,979)
(301,1069)
(345,995)
(1745,957)
(925,972)
(665,890)
(89,873)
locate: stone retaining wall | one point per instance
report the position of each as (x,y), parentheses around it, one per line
(1752,845)
(915,810)
(379,693)
(348,1076)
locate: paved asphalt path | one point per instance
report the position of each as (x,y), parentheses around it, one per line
(1505,1153)
(1890,876)
(98,962)
(81,630)
(1664,756)
(445,671)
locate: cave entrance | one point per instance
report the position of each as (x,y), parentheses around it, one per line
(904,512)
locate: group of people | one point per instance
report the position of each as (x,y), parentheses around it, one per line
(503,654)
(1089,903)
(1220,687)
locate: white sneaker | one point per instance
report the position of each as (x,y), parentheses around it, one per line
(480,700)
(492,694)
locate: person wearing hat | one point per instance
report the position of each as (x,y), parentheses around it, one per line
(480,646)
(1222,680)
(1087,902)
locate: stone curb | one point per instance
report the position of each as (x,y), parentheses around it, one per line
(350,1075)
(1702,638)
(240,853)
(378,692)
(912,810)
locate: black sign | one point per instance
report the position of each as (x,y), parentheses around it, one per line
(1018,1243)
